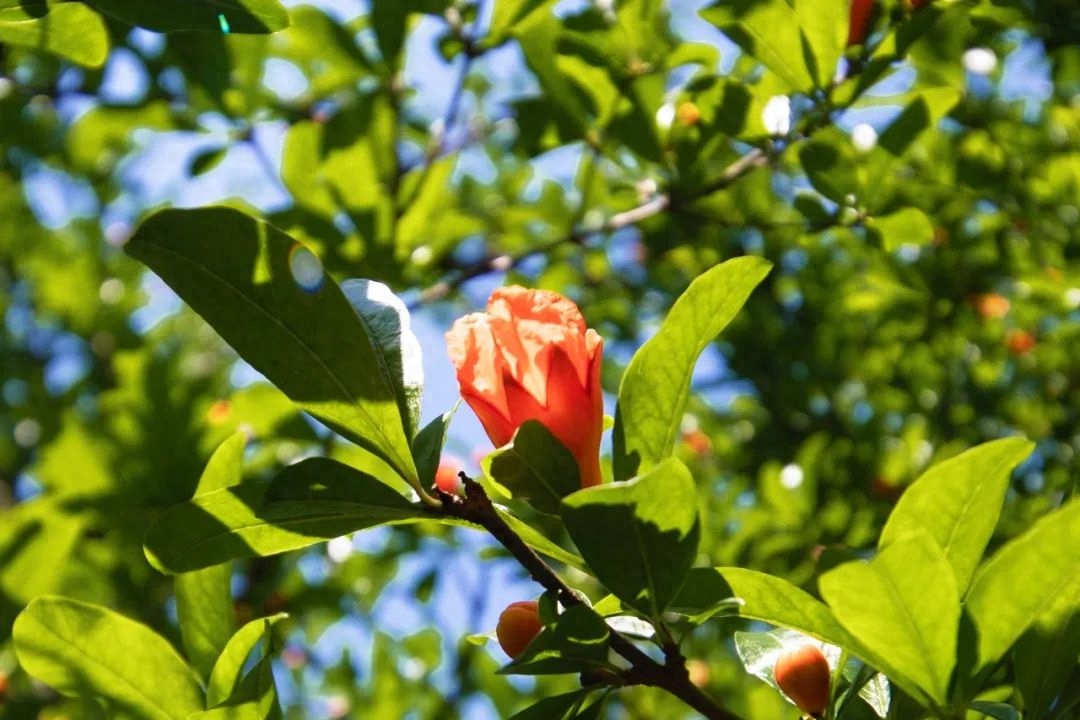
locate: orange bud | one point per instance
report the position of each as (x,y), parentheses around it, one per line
(446,477)
(518,624)
(1020,342)
(859,21)
(219,412)
(688,113)
(803,675)
(991,305)
(531,357)
(697,441)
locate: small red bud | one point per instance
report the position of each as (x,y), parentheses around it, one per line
(803,675)
(859,21)
(518,624)
(446,477)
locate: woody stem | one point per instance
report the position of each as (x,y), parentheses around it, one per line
(672,676)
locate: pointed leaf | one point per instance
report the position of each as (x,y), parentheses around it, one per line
(1023,580)
(906,626)
(958,502)
(70,30)
(656,384)
(85,650)
(824,25)
(228,672)
(762,597)
(204,603)
(427,447)
(1046,653)
(314,500)
(397,347)
(240,16)
(269,298)
(535,466)
(768,31)
(556,707)
(639,537)
(998,711)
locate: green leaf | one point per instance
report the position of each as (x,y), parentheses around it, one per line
(998,711)
(958,502)
(85,650)
(768,31)
(1023,580)
(639,537)
(70,30)
(314,500)
(241,16)
(829,163)
(923,113)
(268,297)
(207,160)
(535,466)
(824,25)
(228,671)
(656,384)
(906,226)
(907,627)
(541,543)
(396,346)
(556,707)
(204,603)
(1047,652)
(427,447)
(758,597)
(508,13)
(576,642)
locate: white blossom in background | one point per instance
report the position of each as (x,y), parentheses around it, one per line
(339,549)
(980,61)
(777,115)
(864,137)
(791,476)
(665,116)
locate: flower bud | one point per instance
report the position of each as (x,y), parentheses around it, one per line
(518,624)
(446,477)
(859,21)
(803,675)
(531,357)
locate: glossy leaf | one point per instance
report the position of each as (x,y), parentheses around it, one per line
(389,326)
(639,537)
(556,707)
(768,31)
(204,603)
(958,502)
(829,162)
(907,226)
(1023,580)
(1047,652)
(656,384)
(85,650)
(427,447)
(576,642)
(314,500)
(824,25)
(228,671)
(240,16)
(998,711)
(71,30)
(536,467)
(268,297)
(904,625)
(758,596)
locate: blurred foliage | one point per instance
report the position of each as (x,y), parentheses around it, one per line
(922,214)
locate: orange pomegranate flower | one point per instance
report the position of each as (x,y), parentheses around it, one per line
(531,357)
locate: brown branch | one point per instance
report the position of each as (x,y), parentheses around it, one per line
(671,676)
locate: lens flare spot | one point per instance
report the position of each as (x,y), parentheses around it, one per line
(306,269)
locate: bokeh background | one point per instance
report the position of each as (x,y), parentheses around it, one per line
(920,303)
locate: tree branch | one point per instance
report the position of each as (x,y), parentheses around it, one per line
(671,676)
